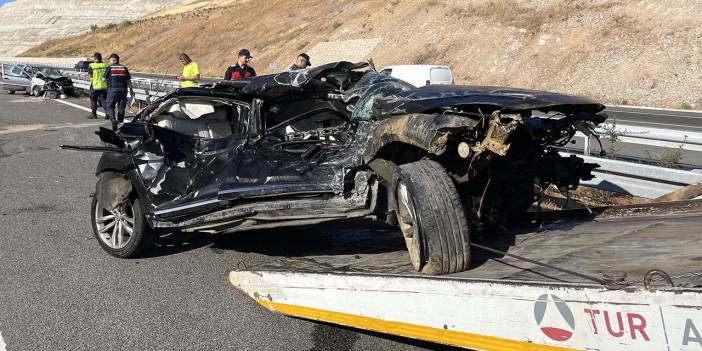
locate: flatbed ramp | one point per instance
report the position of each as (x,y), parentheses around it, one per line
(505,302)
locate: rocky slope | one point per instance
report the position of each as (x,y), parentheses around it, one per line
(622,51)
(26,23)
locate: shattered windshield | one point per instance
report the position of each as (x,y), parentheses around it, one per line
(48,72)
(369,89)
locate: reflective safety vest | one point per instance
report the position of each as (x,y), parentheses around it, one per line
(97,80)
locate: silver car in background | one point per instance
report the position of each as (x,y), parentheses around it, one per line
(36,80)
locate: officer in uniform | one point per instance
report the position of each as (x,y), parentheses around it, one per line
(98,86)
(241,70)
(118,81)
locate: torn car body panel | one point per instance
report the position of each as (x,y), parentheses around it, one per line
(426,131)
(112,189)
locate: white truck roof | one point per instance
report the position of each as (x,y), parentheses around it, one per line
(421,75)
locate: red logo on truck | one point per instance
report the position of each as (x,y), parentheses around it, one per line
(554,317)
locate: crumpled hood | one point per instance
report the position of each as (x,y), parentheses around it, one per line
(61,81)
(446,96)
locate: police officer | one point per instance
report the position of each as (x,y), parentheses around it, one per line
(241,70)
(98,86)
(118,81)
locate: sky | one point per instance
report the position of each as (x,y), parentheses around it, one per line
(5,1)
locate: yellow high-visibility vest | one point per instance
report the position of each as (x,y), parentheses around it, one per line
(189,70)
(98,72)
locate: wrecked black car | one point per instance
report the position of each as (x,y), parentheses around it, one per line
(335,142)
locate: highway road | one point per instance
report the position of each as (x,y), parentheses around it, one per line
(682,120)
(60,291)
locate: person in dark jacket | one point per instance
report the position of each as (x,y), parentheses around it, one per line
(241,70)
(118,81)
(301,62)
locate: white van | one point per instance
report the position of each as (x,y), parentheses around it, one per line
(420,75)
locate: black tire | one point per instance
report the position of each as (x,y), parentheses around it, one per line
(140,242)
(11,92)
(36,91)
(443,243)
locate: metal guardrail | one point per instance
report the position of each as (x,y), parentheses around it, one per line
(637,179)
(676,139)
(145,89)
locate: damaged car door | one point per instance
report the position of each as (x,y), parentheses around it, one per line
(195,145)
(303,149)
(16,79)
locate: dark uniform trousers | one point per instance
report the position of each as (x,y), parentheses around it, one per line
(116,97)
(98,95)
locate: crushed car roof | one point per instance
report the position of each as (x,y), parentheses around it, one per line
(273,85)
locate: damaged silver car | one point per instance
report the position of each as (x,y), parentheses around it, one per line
(330,143)
(38,81)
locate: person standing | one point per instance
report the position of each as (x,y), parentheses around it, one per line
(98,86)
(301,62)
(191,72)
(118,81)
(241,70)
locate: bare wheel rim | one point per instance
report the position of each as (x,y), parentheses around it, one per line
(409,225)
(115,228)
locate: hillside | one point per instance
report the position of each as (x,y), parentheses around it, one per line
(634,52)
(26,23)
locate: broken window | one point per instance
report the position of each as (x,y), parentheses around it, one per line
(369,89)
(16,71)
(201,118)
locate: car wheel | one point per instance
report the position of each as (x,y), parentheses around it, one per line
(36,91)
(122,232)
(431,218)
(11,92)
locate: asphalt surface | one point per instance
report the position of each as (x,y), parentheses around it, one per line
(60,291)
(682,120)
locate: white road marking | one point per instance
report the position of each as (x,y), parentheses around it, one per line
(19,128)
(660,124)
(654,114)
(101,114)
(3,347)
(653,108)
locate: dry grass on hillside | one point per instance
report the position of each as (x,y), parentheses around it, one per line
(639,52)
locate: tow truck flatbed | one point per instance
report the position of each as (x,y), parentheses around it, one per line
(505,302)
